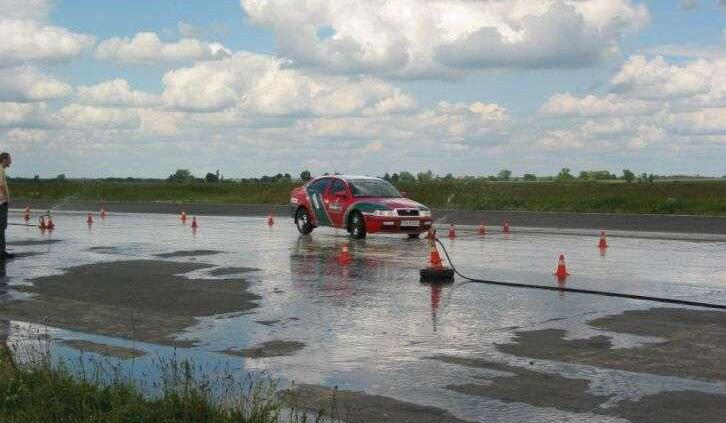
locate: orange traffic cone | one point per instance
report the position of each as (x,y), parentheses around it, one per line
(482,228)
(184,217)
(505,228)
(103,213)
(434,257)
(561,270)
(90,219)
(436,272)
(49,224)
(344,257)
(603,241)
(270,220)
(26,213)
(452,232)
(194,223)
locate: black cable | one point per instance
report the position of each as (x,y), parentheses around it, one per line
(579,290)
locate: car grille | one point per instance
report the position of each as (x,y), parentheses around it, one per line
(407,212)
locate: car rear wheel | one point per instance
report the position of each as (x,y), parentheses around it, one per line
(302,221)
(357,226)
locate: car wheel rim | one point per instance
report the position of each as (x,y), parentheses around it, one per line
(302,220)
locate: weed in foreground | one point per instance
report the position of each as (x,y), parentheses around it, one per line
(33,388)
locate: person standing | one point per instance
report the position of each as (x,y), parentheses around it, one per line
(5,161)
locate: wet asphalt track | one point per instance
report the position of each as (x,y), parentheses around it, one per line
(372,326)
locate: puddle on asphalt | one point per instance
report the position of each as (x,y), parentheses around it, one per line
(370,325)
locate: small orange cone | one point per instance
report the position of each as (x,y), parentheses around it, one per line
(194,223)
(603,241)
(184,217)
(26,213)
(434,257)
(436,272)
(482,228)
(90,219)
(344,257)
(505,228)
(452,232)
(103,213)
(49,224)
(270,220)
(561,270)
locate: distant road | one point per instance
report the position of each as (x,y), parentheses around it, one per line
(622,222)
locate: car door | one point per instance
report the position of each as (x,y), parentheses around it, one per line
(316,191)
(336,199)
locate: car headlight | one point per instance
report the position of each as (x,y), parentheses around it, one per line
(424,213)
(385,213)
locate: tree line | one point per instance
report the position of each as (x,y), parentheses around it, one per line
(505,175)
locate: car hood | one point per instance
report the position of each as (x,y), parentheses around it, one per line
(397,203)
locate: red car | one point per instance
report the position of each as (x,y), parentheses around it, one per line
(359,204)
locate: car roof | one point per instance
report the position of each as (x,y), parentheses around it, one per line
(350,177)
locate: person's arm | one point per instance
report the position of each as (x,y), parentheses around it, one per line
(4,186)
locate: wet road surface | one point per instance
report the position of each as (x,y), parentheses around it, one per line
(461,352)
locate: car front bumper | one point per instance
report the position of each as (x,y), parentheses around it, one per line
(397,224)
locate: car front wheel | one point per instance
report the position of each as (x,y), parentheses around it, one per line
(357,226)
(302,220)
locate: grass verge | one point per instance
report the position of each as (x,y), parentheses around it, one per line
(34,389)
(681,197)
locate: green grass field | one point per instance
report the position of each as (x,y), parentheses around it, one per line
(682,197)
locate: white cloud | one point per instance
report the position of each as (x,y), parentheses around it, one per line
(146,47)
(259,84)
(590,105)
(20,114)
(116,92)
(25,41)
(412,38)
(28,84)
(711,121)
(654,104)
(656,79)
(23,135)
(77,116)
(187,30)
(36,10)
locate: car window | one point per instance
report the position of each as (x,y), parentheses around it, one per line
(338,185)
(318,187)
(373,188)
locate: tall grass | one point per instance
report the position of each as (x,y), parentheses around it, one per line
(687,197)
(35,389)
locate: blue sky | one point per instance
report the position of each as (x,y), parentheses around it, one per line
(258,87)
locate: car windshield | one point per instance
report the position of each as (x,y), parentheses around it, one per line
(373,188)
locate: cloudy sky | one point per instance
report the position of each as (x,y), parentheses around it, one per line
(251,87)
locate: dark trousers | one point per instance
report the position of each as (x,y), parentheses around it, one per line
(3,225)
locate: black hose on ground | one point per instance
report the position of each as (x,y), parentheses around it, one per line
(579,290)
